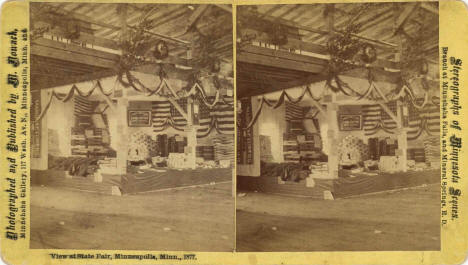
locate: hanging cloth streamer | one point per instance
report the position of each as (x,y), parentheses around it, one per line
(275,104)
(70,95)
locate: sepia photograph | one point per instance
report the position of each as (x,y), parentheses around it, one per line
(132,126)
(338,127)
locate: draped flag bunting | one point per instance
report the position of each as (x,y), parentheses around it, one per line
(71,93)
(374,119)
(275,104)
(422,120)
(83,106)
(293,111)
(220,117)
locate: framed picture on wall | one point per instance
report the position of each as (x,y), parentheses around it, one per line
(139,118)
(350,122)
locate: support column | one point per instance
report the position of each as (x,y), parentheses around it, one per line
(191,136)
(122,105)
(332,135)
(402,140)
(122,128)
(400,17)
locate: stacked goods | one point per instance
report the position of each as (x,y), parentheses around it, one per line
(417,154)
(78,142)
(108,166)
(83,120)
(176,160)
(310,146)
(432,151)
(382,147)
(374,148)
(319,170)
(171,145)
(162,145)
(290,148)
(224,147)
(165,145)
(199,152)
(180,143)
(91,142)
(206,152)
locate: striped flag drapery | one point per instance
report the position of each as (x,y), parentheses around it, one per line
(374,118)
(294,111)
(219,118)
(422,120)
(419,121)
(83,105)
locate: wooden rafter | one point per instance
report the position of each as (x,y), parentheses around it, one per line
(379,43)
(117,28)
(404,15)
(74,53)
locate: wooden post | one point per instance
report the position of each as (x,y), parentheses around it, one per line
(121,110)
(191,136)
(332,135)
(332,108)
(402,138)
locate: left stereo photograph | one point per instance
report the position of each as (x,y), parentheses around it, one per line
(132,126)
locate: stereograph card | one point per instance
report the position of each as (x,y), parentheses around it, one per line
(233,132)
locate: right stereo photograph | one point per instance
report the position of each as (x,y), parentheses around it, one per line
(338,127)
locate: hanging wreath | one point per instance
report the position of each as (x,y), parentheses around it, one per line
(368,53)
(161,50)
(347,52)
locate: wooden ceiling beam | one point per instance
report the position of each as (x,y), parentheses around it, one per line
(408,10)
(117,28)
(227,8)
(281,59)
(195,16)
(370,19)
(73,53)
(38,81)
(430,8)
(379,43)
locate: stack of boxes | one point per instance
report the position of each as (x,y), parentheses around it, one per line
(89,142)
(432,151)
(319,170)
(290,148)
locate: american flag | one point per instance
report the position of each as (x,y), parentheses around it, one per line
(373,116)
(294,111)
(83,105)
(221,116)
(428,117)
(160,113)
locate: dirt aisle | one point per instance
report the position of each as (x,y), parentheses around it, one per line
(196,219)
(403,220)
